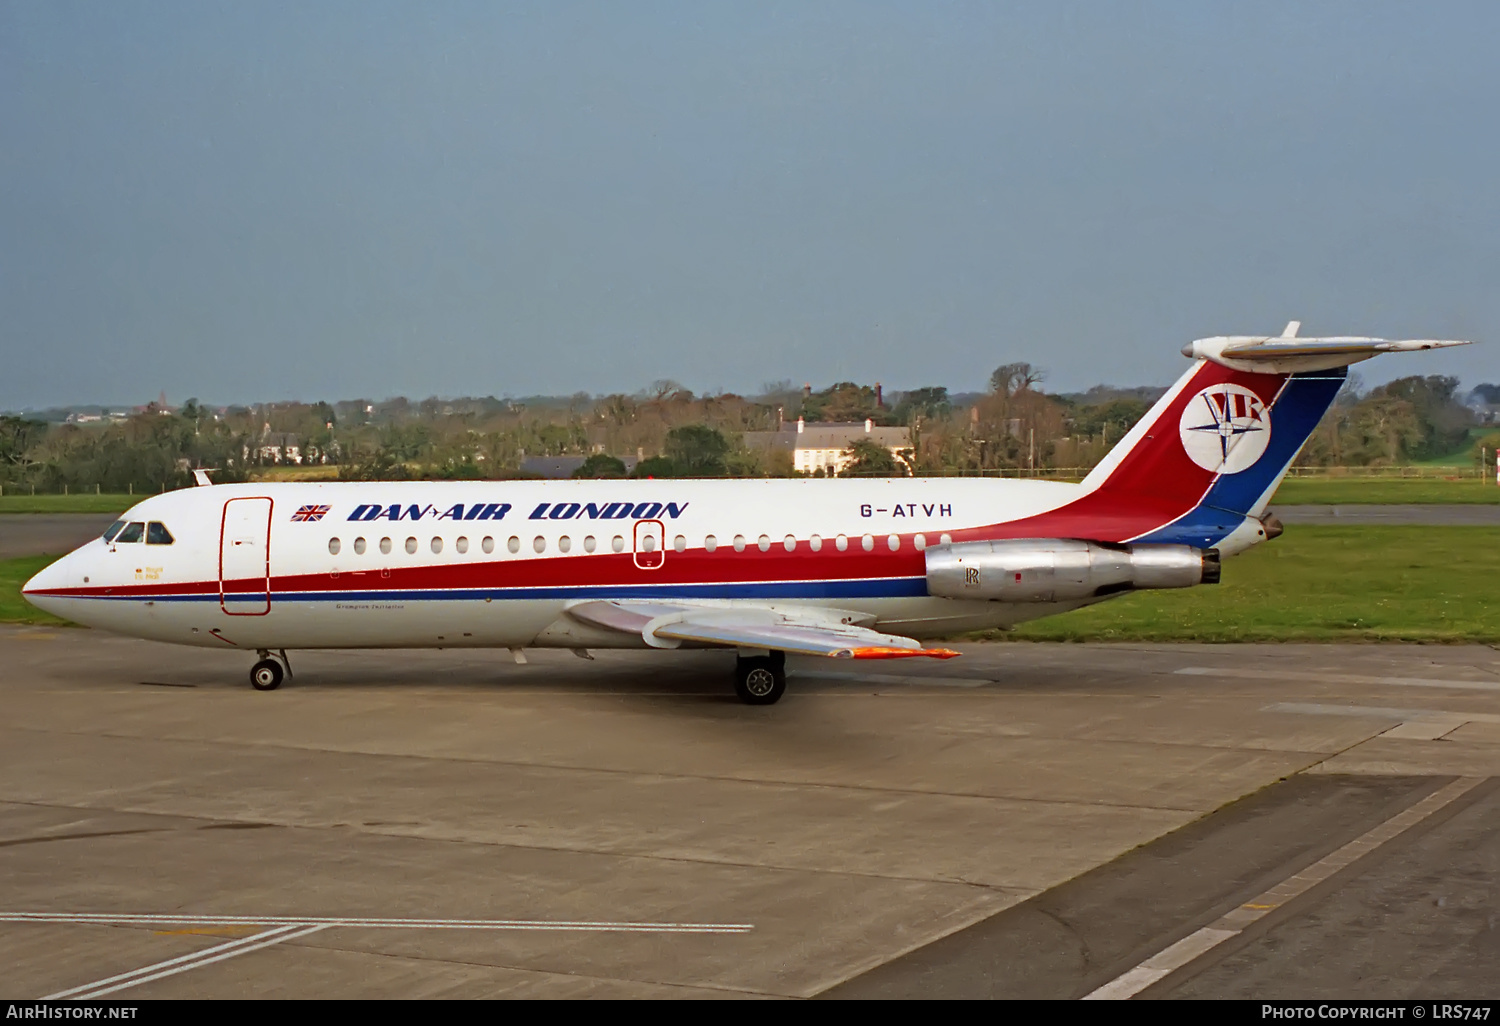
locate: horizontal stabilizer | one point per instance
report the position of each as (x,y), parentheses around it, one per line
(1291,355)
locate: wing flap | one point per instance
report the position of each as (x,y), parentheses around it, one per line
(741,626)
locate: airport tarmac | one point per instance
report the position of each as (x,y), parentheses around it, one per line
(1030,820)
(1352,514)
(38,534)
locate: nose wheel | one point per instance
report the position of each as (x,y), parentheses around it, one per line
(267,674)
(760,680)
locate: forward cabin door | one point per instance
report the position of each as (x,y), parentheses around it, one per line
(245,557)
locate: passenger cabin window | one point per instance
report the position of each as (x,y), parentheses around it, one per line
(133,532)
(333,546)
(114,529)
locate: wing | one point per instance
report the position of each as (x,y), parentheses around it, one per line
(665,625)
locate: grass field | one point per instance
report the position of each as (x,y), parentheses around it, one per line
(67,503)
(13,574)
(1430,584)
(319,473)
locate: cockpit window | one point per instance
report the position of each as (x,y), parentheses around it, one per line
(134,532)
(114,529)
(157,534)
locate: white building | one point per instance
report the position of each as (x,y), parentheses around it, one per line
(825,446)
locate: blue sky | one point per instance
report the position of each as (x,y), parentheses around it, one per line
(257,201)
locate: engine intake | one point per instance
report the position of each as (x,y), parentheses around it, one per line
(1062,569)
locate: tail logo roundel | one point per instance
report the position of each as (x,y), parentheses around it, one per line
(1225,428)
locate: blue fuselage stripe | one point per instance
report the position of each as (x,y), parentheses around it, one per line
(894,587)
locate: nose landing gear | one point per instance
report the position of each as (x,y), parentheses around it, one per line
(760,680)
(266,675)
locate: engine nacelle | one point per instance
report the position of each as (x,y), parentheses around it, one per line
(1062,569)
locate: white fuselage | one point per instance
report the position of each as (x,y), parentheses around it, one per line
(498,563)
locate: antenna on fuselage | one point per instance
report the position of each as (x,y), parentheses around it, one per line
(200,477)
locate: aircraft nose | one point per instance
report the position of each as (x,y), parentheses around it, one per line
(49,578)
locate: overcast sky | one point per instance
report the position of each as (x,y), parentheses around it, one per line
(252,201)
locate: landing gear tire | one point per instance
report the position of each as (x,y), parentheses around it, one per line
(265,675)
(761,680)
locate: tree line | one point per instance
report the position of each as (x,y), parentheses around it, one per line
(668,431)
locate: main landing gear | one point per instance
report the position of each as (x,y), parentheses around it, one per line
(760,680)
(266,675)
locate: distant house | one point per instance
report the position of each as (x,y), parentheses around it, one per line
(276,448)
(825,446)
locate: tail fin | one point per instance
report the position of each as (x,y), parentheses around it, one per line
(1219,437)
(1213,449)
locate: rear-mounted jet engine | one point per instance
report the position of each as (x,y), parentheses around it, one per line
(1062,569)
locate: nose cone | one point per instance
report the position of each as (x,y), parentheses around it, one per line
(48,578)
(43,589)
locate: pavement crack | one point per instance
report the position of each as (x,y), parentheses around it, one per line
(1085,954)
(41,839)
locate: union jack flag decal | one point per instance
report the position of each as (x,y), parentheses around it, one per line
(307,513)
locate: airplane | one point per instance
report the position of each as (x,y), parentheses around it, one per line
(847,568)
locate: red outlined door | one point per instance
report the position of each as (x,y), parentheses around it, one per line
(245,557)
(650,544)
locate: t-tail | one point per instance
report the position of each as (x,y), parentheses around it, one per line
(1213,449)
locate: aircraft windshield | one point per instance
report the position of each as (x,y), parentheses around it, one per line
(157,534)
(114,529)
(134,532)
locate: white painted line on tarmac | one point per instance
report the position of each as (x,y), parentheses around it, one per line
(598,926)
(285,928)
(1231,924)
(1335,678)
(182,964)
